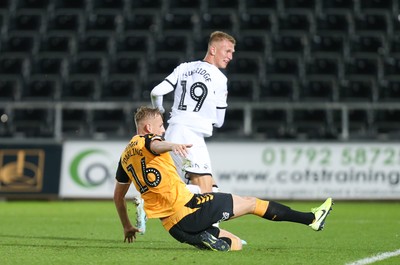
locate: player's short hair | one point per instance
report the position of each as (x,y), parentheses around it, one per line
(219,36)
(145,112)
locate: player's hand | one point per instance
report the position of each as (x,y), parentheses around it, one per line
(181,149)
(130,234)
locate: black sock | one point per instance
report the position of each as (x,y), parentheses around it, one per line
(280,212)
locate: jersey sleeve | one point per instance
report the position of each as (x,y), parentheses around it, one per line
(148,138)
(121,175)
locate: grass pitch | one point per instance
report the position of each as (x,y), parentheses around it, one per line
(89,232)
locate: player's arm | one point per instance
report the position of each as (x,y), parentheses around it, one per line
(121,188)
(220,117)
(158,92)
(159,146)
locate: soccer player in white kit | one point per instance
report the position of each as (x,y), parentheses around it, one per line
(200,102)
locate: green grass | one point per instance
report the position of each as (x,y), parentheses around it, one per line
(89,232)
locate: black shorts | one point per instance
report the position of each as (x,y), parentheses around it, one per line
(212,208)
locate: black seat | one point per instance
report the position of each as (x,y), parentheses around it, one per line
(300,4)
(333,21)
(386,123)
(33,4)
(270,123)
(283,65)
(256,22)
(233,124)
(120,87)
(391,66)
(318,88)
(323,65)
(390,92)
(185,4)
(68,4)
(295,21)
(133,42)
(242,87)
(88,63)
(13,64)
(172,43)
(261,4)
(245,65)
(103,21)
(372,22)
(44,63)
(140,21)
(74,122)
(251,43)
(35,122)
(328,43)
(359,123)
(110,122)
(20,42)
(24,20)
(146,4)
(94,43)
(178,21)
(337,4)
(371,44)
(65,20)
(279,88)
(357,88)
(10,86)
(284,43)
(164,63)
(108,4)
(41,87)
(310,123)
(125,63)
(81,87)
(57,43)
(217,20)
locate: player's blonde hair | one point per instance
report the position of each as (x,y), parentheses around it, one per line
(219,36)
(144,113)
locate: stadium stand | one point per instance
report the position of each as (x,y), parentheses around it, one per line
(303,69)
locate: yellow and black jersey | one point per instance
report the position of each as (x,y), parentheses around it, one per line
(154,176)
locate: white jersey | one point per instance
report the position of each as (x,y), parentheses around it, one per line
(200,89)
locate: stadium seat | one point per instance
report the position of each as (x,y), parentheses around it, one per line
(94,42)
(328,43)
(370,44)
(376,4)
(120,87)
(318,88)
(68,4)
(324,64)
(179,21)
(10,87)
(257,22)
(390,91)
(249,65)
(251,44)
(164,63)
(192,5)
(26,20)
(295,21)
(133,42)
(112,122)
(362,66)
(35,122)
(359,123)
(336,21)
(288,43)
(42,87)
(212,4)
(17,41)
(283,65)
(65,20)
(108,5)
(386,123)
(140,21)
(172,43)
(81,87)
(375,22)
(102,21)
(218,20)
(47,63)
(241,87)
(279,88)
(75,123)
(58,42)
(146,4)
(14,64)
(394,45)
(88,63)
(358,89)
(309,123)
(391,67)
(126,63)
(337,4)
(299,4)
(33,4)
(270,123)
(261,4)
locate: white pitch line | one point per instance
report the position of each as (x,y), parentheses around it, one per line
(379,257)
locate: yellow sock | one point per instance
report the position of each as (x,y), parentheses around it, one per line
(261,207)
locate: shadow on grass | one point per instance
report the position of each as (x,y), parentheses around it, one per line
(80,241)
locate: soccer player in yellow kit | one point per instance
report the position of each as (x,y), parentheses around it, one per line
(189,218)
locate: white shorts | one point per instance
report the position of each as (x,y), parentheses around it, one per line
(198,160)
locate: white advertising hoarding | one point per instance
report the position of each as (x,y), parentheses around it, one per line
(88,169)
(308,170)
(365,171)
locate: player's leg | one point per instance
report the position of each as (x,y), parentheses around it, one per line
(205,182)
(275,211)
(234,241)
